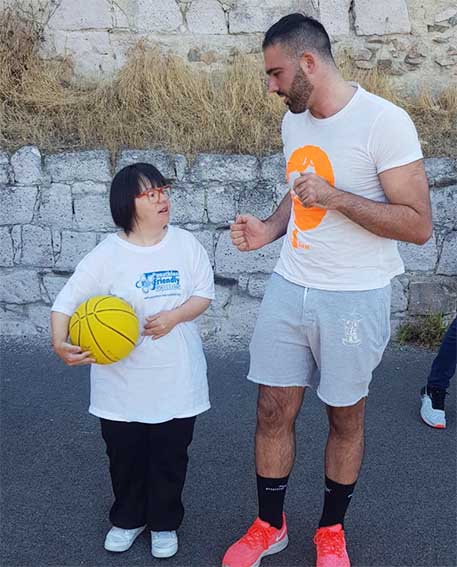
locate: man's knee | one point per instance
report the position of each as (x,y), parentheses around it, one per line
(347,422)
(277,409)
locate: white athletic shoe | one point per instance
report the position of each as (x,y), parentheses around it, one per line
(118,539)
(164,544)
(432,407)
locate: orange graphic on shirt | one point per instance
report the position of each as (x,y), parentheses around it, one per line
(305,160)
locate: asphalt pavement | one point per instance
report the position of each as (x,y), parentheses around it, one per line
(55,490)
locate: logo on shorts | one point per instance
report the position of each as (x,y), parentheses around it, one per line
(351,330)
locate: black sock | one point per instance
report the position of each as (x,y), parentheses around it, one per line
(337,498)
(271,493)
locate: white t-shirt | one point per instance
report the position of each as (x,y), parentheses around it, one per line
(324,249)
(164,378)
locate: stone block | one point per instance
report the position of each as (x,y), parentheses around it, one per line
(399,296)
(444,206)
(419,258)
(89,188)
(361,54)
(221,204)
(81,15)
(257,199)
(6,247)
(188,203)
(441,171)
(206,239)
(206,17)
(231,262)
(39,315)
(18,204)
(37,246)
(446,62)
(432,297)
(255,16)
(55,208)
(14,323)
(16,237)
(164,17)
(395,324)
(445,15)
(257,284)
(26,165)
(210,323)
(92,212)
(5,168)
(273,168)
(75,245)
(334,16)
(18,285)
(94,52)
(381,18)
(237,329)
(91,165)
(224,168)
(180,166)
(52,286)
(280,191)
(163,161)
(448,259)
(122,15)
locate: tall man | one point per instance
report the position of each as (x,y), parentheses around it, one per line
(357,185)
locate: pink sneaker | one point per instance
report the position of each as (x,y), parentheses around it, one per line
(331,547)
(260,540)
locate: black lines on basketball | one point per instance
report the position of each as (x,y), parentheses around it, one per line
(113,329)
(94,339)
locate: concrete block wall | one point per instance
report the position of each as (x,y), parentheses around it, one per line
(413,40)
(54,210)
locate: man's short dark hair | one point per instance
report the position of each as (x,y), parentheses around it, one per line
(299,33)
(126,185)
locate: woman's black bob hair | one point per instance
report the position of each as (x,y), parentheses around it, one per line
(126,185)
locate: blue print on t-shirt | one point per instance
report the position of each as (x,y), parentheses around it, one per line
(164,282)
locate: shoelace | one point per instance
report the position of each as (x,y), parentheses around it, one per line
(330,543)
(257,534)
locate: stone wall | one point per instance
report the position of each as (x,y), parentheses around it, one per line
(413,39)
(55,210)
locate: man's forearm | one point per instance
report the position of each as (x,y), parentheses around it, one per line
(278,221)
(394,221)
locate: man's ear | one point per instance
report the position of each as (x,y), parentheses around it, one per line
(308,63)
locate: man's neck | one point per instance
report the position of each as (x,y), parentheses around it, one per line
(331,97)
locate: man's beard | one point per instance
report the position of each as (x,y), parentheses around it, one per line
(299,93)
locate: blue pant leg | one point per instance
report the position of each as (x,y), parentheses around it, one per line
(444,365)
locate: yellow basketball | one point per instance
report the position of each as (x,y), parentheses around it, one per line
(106,326)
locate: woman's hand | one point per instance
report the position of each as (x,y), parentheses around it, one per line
(160,324)
(72,355)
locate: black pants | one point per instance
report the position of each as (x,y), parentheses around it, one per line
(148,465)
(443,367)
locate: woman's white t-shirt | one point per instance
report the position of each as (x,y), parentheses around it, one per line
(164,378)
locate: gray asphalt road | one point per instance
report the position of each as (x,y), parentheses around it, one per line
(55,491)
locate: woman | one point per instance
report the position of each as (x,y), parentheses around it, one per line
(148,402)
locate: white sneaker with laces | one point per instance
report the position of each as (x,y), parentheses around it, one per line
(432,407)
(118,539)
(164,544)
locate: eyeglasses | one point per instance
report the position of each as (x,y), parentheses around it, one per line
(156,194)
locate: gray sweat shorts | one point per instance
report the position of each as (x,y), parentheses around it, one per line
(328,340)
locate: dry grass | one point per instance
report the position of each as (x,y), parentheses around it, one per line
(161,101)
(427,331)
